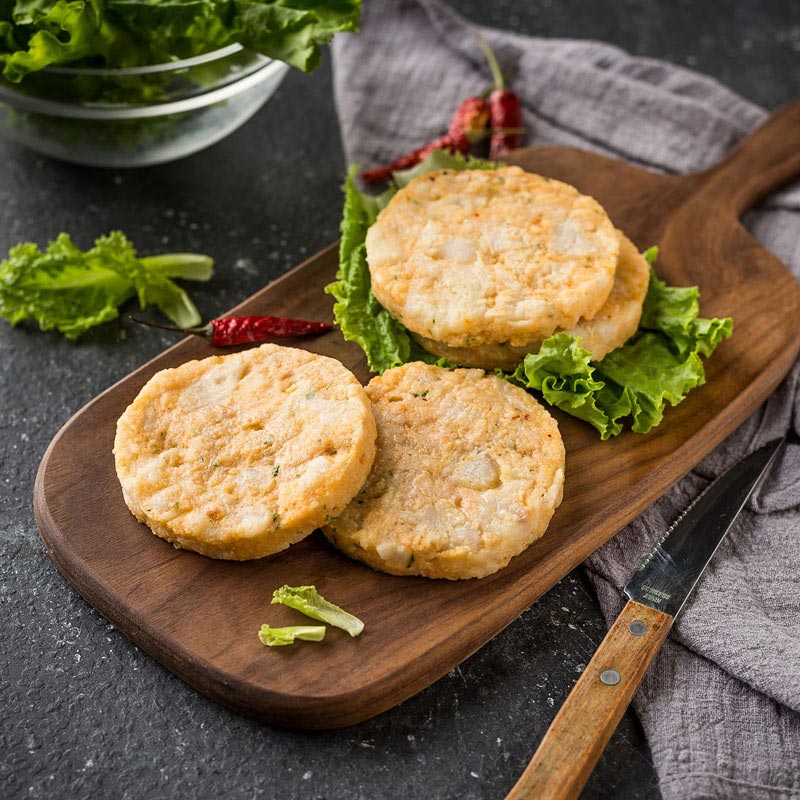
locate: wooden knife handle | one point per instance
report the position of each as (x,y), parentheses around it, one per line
(579,733)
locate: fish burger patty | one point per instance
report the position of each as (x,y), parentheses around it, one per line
(238,456)
(491,256)
(468,472)
(612,326)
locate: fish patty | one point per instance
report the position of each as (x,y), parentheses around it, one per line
(609,329)
(491,256)
(468,472)
(238,456)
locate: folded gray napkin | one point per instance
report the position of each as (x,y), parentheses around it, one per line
(721,704)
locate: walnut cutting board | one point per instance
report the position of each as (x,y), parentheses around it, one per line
(199,617)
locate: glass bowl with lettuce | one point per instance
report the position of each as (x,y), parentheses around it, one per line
(124,83)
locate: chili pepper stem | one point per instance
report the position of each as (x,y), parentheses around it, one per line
(497,73)
(201,330)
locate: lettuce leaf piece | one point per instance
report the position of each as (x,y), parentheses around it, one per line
(362,319)
(660,364)
(71,290)
(277,637)
(294,30)
(170,29)
(189,266)
(307,600)
(357,312)
(8,43)
(563,373)
(441,159)
(674,310)
(63,32)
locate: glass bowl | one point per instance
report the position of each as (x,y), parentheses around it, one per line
(140,115)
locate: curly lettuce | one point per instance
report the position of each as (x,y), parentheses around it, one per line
(657,367)
(35,34)
(71,290)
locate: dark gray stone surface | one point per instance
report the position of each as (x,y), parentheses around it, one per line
(86,714)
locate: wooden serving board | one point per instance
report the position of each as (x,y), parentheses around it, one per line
(199,617)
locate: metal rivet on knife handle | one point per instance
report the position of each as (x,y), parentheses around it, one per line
(638,628)
(610,677)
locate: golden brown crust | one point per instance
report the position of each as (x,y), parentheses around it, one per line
(491,256)
(238,456)
(468,472)
(610,328)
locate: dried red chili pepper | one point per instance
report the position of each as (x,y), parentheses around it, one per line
(469,120)
(467,124)
(505,108)
(409,160)
(229,331)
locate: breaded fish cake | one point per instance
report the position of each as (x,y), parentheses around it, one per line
(609,329)
(239,456)
(491,256)
(468,472)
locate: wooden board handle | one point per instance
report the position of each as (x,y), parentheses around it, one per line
(763,162)
(579,733)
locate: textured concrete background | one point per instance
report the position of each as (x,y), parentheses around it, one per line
(85,714)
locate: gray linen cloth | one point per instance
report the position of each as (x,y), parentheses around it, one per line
(721,704)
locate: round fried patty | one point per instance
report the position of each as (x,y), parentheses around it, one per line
(609,329)
(468,472)
(491,256)
(238,456)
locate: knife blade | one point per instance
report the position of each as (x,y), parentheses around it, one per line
(657,592)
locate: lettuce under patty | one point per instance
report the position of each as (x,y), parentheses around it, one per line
(658,365)
(357,312)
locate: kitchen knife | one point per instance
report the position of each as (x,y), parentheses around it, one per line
(656,591)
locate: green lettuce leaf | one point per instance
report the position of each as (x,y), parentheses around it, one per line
(674,310)
(659,365)
(294,30)
(277,637)
(170,29)
(307,600)
(189,266)
(562,372)
(362,319)
(71,290)
(63,31)
(440,159)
